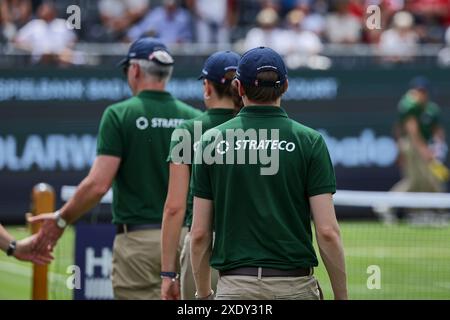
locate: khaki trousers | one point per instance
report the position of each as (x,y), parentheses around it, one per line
(187,277)
(137,265)
(417,176)
(267,288)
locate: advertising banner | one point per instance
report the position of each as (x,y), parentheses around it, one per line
(93,256)
(49,120)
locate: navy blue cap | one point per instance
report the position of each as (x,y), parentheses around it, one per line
(420,82)
(218,64)
(259,60)
(148,49)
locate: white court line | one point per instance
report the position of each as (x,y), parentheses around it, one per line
(392,199)
(348,198)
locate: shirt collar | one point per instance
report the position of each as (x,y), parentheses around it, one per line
(154,94)
(220,111)
(263,111)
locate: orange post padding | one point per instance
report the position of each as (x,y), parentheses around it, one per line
(43,201)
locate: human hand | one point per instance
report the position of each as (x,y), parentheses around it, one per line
(48,234)
(170,289)
(24,252)
(427,154)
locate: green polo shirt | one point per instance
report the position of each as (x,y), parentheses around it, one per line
(263,220)
(138,131)
(427,115)
(209,119)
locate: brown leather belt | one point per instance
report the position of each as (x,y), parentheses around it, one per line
(124,228)
(267,272)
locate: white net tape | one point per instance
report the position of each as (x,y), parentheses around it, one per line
(352,198)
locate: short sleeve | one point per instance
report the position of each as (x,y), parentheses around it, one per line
(321,178)
(405,111)
(25,34)
(180,149)
(201,180)
(110,140)
(407,108)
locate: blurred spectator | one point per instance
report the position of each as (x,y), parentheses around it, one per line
(357,8)
(444,54)
(430,29)
(302,47)
(118,15)
(287,6)
(47,37)
(387,9)
(35,4)
(213,20)
(399,43)
(274,4)
(313,21)
(248,10)
(297,40)
(170,23)
(14,14)
(341,25)
(267,33)
(430,17)
(428,7)
(253,23)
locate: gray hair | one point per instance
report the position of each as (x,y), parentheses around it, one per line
(153,70)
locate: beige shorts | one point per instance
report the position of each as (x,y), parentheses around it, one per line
(267,288)
(137,265)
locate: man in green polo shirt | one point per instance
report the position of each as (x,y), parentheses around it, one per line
(133,143)
(422,146)
(422,139)
(256,180)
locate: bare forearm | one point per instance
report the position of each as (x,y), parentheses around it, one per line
(439,134)
(332,254)
(5,238)
(419,143)
(170,238)
(200,255)
(87,196)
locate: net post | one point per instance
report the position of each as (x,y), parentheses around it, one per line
(43,201)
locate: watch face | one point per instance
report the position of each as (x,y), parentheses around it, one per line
(11,248)
(61,223)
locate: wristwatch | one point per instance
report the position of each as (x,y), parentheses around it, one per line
(170,275)
(60,222)
(11,248)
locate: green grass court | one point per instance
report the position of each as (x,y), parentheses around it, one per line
(414,263)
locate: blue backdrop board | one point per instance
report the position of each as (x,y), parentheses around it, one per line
(93,256)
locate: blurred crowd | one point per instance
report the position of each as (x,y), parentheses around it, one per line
(299,27)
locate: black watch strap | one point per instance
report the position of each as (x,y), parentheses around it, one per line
(172,275)
(11,248)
